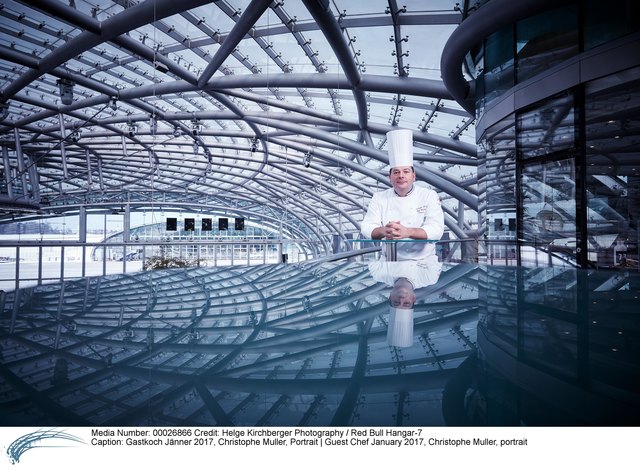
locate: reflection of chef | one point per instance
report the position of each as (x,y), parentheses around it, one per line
(404,277)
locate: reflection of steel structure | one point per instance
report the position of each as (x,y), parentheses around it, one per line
(556,347)
(297,344)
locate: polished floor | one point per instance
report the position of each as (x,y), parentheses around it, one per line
(411,343)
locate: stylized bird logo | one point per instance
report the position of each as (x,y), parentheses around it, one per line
(36,439)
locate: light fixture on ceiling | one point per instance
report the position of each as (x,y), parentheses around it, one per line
(113,103)
(132,130)
(177,132)
(254,145)
(66,91)
(306,160)
(196,127)
(75,136)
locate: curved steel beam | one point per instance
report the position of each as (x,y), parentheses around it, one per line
(251,14)
(131,18)
(489,18)
(428,176)
(323,16)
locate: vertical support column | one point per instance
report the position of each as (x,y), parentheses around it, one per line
(7,171)
(63,153)
(40,265)
(21,165)
(126,224)
(82,224)
(61,263)
(104,259)
(17,267)
(87,156)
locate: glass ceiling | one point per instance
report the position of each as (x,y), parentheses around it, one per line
(246,101)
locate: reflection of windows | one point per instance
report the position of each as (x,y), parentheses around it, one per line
(497,224)
(613,168)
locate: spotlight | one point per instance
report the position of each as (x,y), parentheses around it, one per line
(177,132)
(113,103)
(254,145)
(196,127)
(195,147)
(306,160)
(76,135)
(133,130)
(66,91)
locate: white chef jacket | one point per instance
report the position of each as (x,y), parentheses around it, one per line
(419,209)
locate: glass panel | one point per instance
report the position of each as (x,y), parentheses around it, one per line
(613,169)
(498,147)
(549,208)
(498,63)
(604,23)
(546,40)
(547,128)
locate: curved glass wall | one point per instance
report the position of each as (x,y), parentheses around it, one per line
(558,99)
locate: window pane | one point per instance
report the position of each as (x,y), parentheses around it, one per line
(613,169)
(549,207)
(548,128)
(545,40)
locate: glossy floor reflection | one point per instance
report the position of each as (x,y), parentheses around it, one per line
(318,344)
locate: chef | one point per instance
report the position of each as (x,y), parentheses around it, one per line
(405,211)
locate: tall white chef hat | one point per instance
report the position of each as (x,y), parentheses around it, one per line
(400,146)
(400,329)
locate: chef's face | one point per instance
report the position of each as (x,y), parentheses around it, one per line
(402,295)
(402,178)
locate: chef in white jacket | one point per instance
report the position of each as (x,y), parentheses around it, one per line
(407,210)
(404,277)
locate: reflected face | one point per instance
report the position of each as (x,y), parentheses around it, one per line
(402,179)
(402,295)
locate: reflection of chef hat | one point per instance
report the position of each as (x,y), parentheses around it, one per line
(400,146)
(400,331)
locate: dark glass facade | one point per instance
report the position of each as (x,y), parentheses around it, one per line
(558,104)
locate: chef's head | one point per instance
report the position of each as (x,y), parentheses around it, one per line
(401,172)
(402,294)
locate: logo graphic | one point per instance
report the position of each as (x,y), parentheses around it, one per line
(40,438)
